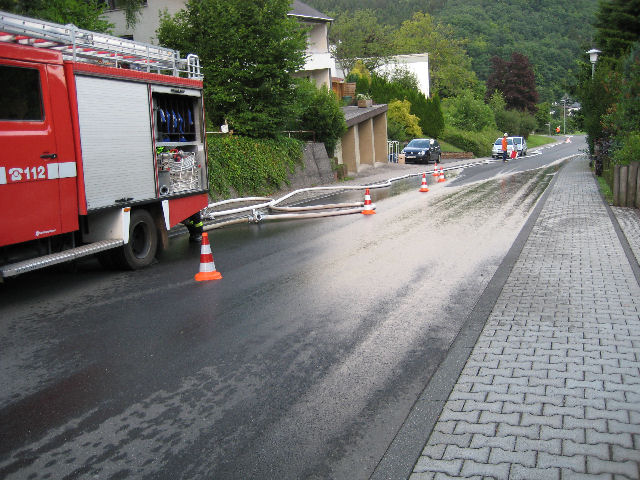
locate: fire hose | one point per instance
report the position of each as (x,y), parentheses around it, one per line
(212,213)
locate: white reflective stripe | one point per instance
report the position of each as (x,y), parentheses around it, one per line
(126,222)
(52,170)
(3,176)
(67,170)
(61,170)
(165,211)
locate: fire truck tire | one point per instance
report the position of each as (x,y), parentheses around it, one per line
(143,242)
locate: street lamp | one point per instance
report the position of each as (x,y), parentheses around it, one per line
(593,57)
(564,115)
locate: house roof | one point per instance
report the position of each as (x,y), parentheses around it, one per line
(305,12)
(354,115)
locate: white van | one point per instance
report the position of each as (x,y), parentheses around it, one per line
(521,145)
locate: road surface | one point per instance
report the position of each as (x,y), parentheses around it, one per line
(302,362)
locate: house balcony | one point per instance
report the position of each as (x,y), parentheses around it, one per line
(318,61)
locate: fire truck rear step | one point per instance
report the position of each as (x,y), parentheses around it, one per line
(55,258)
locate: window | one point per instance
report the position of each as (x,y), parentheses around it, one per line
(419,143)
(20,94)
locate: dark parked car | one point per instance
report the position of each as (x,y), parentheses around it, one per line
(422,150)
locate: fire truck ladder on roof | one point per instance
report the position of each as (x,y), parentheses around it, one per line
(97,48)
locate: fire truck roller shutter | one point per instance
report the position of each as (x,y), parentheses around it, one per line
(115,135)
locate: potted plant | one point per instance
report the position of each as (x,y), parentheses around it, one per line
(364,100)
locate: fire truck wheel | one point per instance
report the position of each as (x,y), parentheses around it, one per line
(143,241)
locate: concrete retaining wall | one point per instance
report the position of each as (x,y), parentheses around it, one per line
(317,168)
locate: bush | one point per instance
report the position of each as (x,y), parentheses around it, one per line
(480,143)
(248,166)
(402,125)
(628,149)
(519,124)
(428,111)
(318,109)
(469,113)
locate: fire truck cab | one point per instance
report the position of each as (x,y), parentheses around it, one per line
(103,146)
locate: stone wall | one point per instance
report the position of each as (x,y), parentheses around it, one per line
(457,155)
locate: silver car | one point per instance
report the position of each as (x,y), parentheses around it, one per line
(496,151)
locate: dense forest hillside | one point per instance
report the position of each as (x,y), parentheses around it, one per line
(552,33)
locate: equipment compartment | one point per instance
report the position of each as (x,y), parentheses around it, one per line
(116,141)
(178,171)
(175,118)
(179,136)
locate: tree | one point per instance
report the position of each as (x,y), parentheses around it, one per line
(86,14)
(318,110)
(469,113)
(543,117)
(402,125)
(450,66)
(248,51)
(358,35)
(496,102)
(433,124)
(516,80)
(622,120)
(617,26)
(497,78)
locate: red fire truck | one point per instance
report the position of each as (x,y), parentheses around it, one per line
(103,146)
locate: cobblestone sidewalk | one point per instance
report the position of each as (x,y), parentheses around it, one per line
(552,388)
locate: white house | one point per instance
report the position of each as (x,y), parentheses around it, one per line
(418,64)
(149,19)
(319,61)
(318,64)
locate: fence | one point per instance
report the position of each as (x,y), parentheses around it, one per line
(626,185)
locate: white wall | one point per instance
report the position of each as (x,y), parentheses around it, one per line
(317,38)
(317,67)
(418,64)
(145,29)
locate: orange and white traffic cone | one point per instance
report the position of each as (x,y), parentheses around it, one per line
(207,267)
(368,207)
(423,186)
(441,178)
(435,170)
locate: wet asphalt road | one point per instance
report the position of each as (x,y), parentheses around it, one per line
(302,362)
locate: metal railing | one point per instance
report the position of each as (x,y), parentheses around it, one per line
(92,47)
(393,150)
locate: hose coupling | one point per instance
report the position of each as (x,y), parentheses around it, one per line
(255,217)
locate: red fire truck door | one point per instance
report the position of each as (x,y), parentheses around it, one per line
(29,163)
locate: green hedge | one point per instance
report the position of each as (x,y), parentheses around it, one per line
(243,166)
(480,143)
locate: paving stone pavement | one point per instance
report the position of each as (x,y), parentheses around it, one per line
(551,389)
